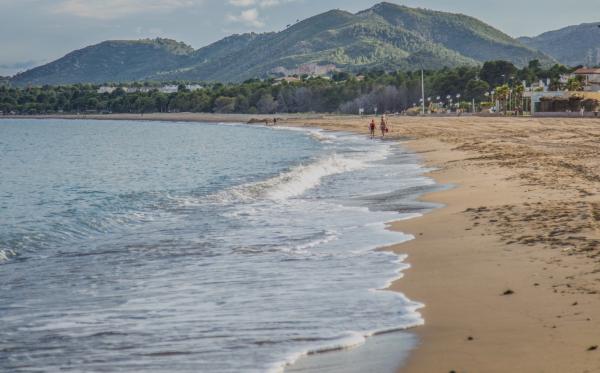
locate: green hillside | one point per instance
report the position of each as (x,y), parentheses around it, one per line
(386,36)
(110,61)
(573,45)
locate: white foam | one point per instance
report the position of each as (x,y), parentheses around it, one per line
(6,254)
(289,184)
(303,178)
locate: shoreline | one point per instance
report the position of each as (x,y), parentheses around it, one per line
(508,270)
(172,117)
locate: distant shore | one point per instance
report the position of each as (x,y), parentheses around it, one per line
(174,117)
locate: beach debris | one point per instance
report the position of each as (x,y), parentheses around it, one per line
(536,284)
(469,338)
(508,292)
(574,304)
(593,348)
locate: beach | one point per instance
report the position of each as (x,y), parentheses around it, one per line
(509,267)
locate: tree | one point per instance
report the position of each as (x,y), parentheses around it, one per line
(502,93)
(224,105)
(266,104)
(574,84)
(476,89)
(497,72)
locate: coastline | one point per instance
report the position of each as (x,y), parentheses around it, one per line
(520,220)
(171,117)
(524,217)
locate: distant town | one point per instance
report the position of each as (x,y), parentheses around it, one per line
(497,87)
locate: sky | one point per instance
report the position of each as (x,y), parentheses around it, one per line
(34,32)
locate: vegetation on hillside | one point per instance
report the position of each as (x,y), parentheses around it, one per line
(345,93)
(573,45)
(117,60)
(387,36)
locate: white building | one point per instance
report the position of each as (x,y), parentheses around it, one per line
(106,89)
(194,87)
(168,89)
(591,79)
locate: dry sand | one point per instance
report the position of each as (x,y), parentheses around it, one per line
(523,218)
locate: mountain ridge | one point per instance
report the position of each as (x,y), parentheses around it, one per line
(572,45)
(386,36)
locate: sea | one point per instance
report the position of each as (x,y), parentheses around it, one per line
(133,246)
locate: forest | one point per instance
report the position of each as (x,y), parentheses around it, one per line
(339,93)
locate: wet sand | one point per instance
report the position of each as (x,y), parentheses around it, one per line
(509,269)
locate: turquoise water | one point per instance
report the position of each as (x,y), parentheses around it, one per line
(183,247)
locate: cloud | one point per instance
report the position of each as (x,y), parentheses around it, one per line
(110,9)
(249,17)
(268,3)
(242,3)
(260,3)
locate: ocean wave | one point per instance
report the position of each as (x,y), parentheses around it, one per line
(6,254)
(316,133)
(293,183)
(351,340)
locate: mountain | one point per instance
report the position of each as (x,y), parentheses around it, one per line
(572,46)
(114,61)
(386,36)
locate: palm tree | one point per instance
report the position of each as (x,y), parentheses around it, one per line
(519,89)
(574,84)
(502,94)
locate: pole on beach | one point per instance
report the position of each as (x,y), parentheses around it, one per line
(422,93)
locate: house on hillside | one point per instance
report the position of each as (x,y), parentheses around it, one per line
(106,89)
(194,87)
(590,78)
(168,89)
(288,79)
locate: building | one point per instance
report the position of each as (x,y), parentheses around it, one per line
(590,78)
(106,89)
(168,89)
(288,79)
(563,102)
(310,69)
(194,87)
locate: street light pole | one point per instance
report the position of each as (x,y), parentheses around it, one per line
(422,92)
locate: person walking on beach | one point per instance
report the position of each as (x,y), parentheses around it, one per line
(372,128)
(383,126)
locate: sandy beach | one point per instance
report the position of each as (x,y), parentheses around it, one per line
(509,269)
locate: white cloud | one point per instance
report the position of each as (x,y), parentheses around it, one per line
(109,9)
(242,3)
(249,17)
(260,3)
(268,3)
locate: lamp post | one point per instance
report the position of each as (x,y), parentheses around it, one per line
(422,92)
